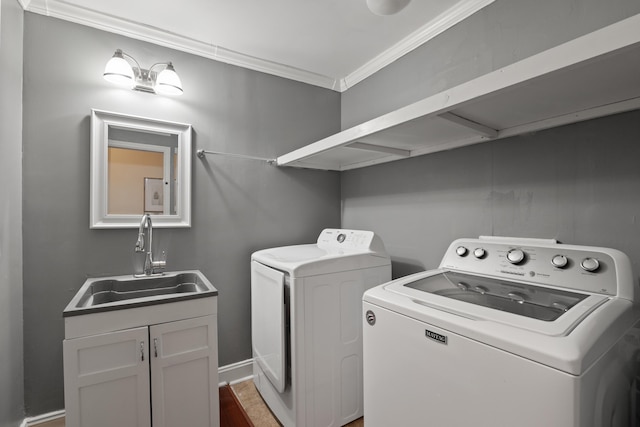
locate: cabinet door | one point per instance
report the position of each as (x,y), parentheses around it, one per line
(107,380)
(184,373)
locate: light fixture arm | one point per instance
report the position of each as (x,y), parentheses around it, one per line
(126,55)
(159,63)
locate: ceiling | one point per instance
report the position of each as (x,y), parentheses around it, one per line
(328,43)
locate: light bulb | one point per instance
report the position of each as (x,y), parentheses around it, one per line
(119,71)
(168,82)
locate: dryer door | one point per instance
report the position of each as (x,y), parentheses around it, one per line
(268,322)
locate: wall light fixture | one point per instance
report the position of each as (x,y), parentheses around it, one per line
(122,69)
(387,7)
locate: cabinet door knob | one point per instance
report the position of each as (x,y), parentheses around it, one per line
(155,347)
(142,351)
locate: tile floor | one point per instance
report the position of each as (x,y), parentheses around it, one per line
(251,401)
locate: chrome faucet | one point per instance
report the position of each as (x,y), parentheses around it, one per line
(151,267)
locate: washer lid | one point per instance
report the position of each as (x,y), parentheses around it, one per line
(543,310)
(526,300)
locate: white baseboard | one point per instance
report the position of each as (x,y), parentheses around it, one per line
(236,372)
(39,419)
(229,374)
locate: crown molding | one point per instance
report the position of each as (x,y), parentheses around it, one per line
(235,58)
(413,41)
(91,18)
(85,16)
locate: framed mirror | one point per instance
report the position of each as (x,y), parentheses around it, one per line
(139,165)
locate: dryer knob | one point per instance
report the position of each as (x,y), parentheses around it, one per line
(479,253)
(515,256)
(590,264)
(462,251)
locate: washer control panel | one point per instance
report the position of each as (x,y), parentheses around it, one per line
(538,261)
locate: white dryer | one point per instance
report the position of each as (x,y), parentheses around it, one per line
(506,332)
(306,303)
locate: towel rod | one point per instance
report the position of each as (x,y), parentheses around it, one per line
(201,153)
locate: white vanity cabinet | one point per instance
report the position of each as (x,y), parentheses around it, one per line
(107,379)
(160,374)
(184,373)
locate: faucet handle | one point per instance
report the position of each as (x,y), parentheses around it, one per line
(159,265)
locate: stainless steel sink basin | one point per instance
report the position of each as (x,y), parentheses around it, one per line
(118,292)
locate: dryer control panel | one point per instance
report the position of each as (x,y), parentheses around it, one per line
(332,239)
(585,268)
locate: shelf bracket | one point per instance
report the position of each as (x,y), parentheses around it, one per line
(480,128)
(380,149)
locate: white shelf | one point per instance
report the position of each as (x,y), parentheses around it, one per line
(592,76)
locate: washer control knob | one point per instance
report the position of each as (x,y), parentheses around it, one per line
(515,256)
(590,264)
(479,253)
(462,251)
(559,261)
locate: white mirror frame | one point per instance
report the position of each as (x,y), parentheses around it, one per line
(100,122)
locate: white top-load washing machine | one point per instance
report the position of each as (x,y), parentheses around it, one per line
(506,332)
(306,305)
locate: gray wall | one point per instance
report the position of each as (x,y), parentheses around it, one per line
(11,367)
(238,205)
(579,184)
